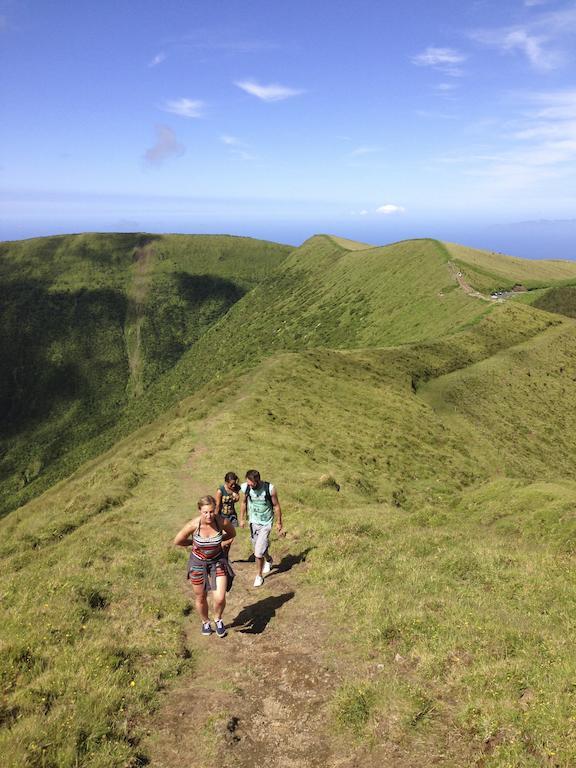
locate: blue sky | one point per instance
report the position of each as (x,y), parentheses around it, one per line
(373,120)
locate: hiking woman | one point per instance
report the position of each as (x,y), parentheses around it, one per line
(209,535)
(226,497)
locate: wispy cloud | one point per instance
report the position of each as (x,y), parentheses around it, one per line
(272,92)
(541,146)
(184,107)
(389,209)
(166,146)
(364,150)
(158,59)
(445,60)
(521,40)
(231,141)
(545,39)
(207,40)
(237,147)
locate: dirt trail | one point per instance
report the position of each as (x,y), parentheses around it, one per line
(137,293)
(466,287)
(261,696)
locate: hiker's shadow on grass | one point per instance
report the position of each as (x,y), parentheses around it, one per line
(255,618)
(289,561)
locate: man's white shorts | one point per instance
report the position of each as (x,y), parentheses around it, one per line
(260,535)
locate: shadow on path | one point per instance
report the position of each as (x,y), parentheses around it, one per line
(254,618)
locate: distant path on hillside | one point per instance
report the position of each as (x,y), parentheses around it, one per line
(466,287)
(137,292)
(261,697)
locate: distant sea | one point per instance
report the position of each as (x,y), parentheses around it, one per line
(542,239)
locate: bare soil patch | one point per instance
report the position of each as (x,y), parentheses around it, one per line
(261,695)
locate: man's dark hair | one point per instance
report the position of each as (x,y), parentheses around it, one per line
(253,475)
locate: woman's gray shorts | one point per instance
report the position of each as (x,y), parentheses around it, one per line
(260,535)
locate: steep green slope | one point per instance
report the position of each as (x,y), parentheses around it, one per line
(487,271)
(88,322)
(561,300)
(448,559)
(124,326)
(325,295)
(104,378)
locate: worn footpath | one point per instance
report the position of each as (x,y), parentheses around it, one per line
(261,695)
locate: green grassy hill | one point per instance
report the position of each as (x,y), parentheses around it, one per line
(88,323)
(465,536)
(487,271)
(101,333)
(447,554)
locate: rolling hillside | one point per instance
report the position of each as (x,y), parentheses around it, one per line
(446,555)
(119,327)
(88,323)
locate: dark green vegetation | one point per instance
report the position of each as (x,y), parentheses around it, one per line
(561,300)
(449,424)
(88,323)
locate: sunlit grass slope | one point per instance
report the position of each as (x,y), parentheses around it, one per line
(450,557)
(321,295)
(101,333)
(88,322)
(447,559)
(325,295)
(489,271)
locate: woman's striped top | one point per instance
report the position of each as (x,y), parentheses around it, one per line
(207,547)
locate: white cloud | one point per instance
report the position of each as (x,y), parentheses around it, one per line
(389,209)
(166,146)
(546,40)
(158,59)
(522,40)
(445,60)
(204,40)
(359,151)
(237,147)
(184,107)
(272,92)
(230,141)
(543,145)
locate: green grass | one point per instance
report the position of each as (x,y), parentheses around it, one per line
(447,553)
(489,271)
(561,300)
(88,323)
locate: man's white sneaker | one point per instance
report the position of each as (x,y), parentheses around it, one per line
(267,566)
(258,581)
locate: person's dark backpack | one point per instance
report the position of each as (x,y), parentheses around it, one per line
(266,491)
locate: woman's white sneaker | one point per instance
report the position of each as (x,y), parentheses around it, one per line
(258,581)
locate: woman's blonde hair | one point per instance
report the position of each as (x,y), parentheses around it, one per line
(204,501)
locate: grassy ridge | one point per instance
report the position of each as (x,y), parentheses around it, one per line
(472,641)
(488,271)
(87,323)
(118,328)
(453,573)
(322,295)
(327,295)
(561,300)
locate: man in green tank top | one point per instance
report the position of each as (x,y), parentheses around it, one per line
(260,500)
